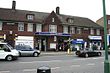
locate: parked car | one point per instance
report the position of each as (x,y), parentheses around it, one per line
(88,52)
(7,52)
(26,50)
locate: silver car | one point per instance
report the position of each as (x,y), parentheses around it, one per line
(26,50)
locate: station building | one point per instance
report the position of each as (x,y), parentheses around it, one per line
(47,31)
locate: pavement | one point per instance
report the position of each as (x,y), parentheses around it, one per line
(60,53)
(57,53)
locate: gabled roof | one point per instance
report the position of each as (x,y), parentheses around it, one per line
(20,15)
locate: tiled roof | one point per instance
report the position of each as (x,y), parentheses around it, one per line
(20,15)
(79,21)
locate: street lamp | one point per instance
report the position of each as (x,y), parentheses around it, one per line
(106,62)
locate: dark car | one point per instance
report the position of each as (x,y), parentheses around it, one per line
(26,50)
(88,53)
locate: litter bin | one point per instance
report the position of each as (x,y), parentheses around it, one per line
(44,69)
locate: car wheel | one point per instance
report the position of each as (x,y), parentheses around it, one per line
(86,55)
(9,58)
(77,52)
(35,54)
(99,54)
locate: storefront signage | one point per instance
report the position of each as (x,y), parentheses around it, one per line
(78,41)
(25,40)
(50,33)
(95,37)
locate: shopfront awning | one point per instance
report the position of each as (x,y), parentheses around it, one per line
(51,34)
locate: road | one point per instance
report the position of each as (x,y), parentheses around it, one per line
(57,63)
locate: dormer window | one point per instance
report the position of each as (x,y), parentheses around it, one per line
(30,16)
(70,20)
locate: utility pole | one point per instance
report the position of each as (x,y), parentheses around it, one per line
(106,62)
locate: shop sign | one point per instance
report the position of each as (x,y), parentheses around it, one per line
(95,37)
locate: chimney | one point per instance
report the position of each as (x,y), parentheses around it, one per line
(58,10)
(14,5)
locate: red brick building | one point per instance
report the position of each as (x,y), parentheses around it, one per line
(101,23)
(46,30)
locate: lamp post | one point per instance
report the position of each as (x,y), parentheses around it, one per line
(106,62)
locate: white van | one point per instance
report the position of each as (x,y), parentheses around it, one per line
(7,52)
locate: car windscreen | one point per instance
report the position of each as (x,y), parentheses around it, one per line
(10,47)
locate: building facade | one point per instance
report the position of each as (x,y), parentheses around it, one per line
(47,31)
(100,21)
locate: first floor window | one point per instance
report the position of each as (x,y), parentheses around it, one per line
(38,27)
(72,30)
(1,25)
(91,31)
(78,31)
(98,31)
(65,29)
(108,31)
(108,21)
(53,28)
(30,27)
(20,26)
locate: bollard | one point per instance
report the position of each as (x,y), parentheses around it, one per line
(68,51)
(43,69)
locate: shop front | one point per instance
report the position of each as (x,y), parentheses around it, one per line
(95,42)
(47,41)
(78,44)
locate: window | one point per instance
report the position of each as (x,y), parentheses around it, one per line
(30,17)
(108,21)
(70,20)
(108,31)
(20,26)
(72,30)
(53,19)
(65,29)
(1,25)
(30,27)
(38,27)
(98,31)
(53,28)
(78,31)
(91,31)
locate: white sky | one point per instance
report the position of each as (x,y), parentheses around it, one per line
(91,9)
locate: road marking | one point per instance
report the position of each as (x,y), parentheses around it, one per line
(55,68)
(42,61)
(4,71)
(91,64)
(29,69)
(75,66)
